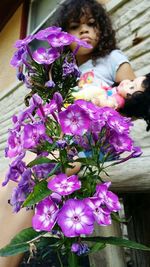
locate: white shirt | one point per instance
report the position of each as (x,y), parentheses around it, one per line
(104,72)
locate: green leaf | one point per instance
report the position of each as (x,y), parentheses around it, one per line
(20,243)
(118,241)
(40,161)
(40,191)
(73,260)
(117,218)
(47,146)
(96,247)
(53,171)
(86,161)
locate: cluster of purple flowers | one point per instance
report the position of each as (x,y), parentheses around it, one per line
(85,126)
(56,40)
(45,127)
(75,217)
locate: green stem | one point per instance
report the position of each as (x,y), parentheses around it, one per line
(59,258)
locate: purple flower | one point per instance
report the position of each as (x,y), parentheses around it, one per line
(82,43)
(137,152)
(75,247)
(25,187)
(48,109)
(100,213)
(20,76)
(105,113)
(24,42)
(42,170)
(56,198)
(43,34)
(71,153)
(45,215)
(18,57)
(118,124)
(35,101)
(121,142)
(22,116)
(70,68)
(32,134)
(79,248)
(50,84)
(60,39)
(108,198)
(17,198)
(74,120)
(45,56)
(26,181)
(14,146)
(61,144)
(16,168)
(58,99)
(82,141)
(76,218)
(90,108)
(64,185)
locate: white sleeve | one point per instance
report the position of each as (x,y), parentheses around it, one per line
(117,58)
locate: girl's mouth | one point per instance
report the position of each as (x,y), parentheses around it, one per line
(86,39)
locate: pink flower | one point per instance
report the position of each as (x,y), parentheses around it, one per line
(45,56)
(32,134)
(76,218)
(121,142)
(47,109)
(64,185)
(108,198)
(101,213)
(59,39)
(74,120)
(45,215)
(14,146)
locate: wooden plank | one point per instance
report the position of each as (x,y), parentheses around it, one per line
(137,209)
(127,41)
(133,176)
(112,255)
(129,11)
(140,62)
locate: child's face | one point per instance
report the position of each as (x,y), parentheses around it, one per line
(85,30)
(130,87)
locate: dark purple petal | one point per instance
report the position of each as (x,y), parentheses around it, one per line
(50,84)
(18,57)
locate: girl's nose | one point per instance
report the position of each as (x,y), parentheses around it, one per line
(84,29)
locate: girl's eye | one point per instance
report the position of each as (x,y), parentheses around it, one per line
(91,23)
(73,26)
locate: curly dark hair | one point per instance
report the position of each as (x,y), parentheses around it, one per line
(138,104)
(75,9)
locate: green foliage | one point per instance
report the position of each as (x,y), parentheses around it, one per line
(40,191)
(20,243)
(40,161)
(117,241)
